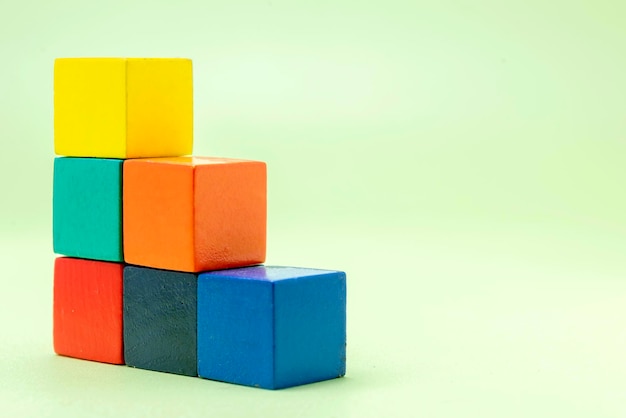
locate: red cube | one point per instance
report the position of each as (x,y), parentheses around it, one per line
(88,310)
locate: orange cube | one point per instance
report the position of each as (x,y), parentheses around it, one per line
(194,213)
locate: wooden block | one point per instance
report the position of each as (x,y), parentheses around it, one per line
(87,208)
(160,320)
(193,213)
(123,108)
(271,327)
(88,310)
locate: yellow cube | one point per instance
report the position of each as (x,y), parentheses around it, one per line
(123,107)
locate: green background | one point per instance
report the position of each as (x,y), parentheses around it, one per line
(462,161)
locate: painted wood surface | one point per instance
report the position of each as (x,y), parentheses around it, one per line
(123,107)
(87,208)
(194,213)
(87,310)
(160,314)
(272,327)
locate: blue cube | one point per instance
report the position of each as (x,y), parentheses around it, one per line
(271,327)
(87,208)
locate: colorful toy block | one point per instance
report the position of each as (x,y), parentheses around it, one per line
(193,213)
(271,327)
(160,320)
(88,310)
(123,108)
(196,300)
(87,208)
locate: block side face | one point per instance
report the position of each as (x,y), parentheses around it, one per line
(160,313)
(230,215)
(160,107)
(235,331)
(90,107)
(87,208)
(310,329)
(158,215)
(87,312)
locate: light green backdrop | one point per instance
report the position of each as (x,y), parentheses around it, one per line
(367,112)
(463,161)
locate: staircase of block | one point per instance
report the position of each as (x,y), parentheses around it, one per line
(161,253)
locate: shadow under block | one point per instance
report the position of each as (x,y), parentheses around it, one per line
(160,320)
(87,208)
(88,310)
(123,107)
(271,327)
(194,213)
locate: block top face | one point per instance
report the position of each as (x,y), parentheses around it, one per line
(125,59)
(123,107)
(196,161)
(270,273)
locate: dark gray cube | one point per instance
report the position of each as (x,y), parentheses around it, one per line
(160,320)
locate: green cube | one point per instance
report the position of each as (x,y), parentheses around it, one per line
(87,208)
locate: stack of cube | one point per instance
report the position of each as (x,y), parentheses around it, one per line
(162,253)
